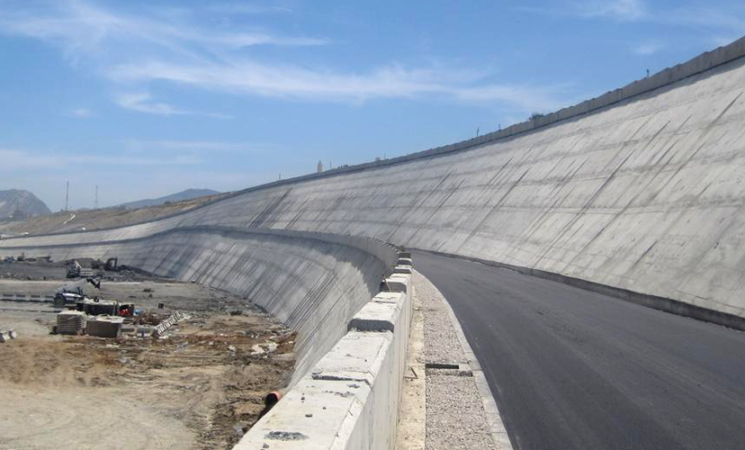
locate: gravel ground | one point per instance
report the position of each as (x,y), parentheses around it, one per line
(441,341)
(456,419)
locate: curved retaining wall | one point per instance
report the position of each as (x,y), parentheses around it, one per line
(313,283)
(639,190)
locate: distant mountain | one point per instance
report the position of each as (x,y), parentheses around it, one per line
(19,204)
(178,197)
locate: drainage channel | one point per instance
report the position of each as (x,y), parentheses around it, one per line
(448,369)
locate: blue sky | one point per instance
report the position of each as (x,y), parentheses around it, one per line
(146,98)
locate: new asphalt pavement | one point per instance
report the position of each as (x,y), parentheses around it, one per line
(573,369)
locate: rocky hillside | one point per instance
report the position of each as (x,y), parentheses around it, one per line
(19,204)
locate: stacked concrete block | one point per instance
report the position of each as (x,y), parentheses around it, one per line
(102,326)
(71,322)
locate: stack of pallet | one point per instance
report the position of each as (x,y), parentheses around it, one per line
(71,322)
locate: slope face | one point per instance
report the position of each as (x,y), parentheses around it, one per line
(20,204)
(646,195)
(188,194)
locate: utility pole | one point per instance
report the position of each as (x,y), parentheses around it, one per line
(67,197)
(95,206)
(477,131)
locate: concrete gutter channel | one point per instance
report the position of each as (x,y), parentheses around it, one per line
(350,399)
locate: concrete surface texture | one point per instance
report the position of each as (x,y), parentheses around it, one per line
(572,369)
(313,286)
(644,194)
(351,398)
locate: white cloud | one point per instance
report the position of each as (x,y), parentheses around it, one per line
(194,147)
(702,17)
(134,51)
(647,48)
(248,9)
(81,27)
(623,10)
(293,82)
(82,113)
(13,160)
(143,102)
(620,10)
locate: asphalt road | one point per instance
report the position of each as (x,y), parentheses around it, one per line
(572,369)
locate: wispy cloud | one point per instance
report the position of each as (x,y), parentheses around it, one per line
(725,17)
(14,159)
(647,48)
(195,147)
(143,102)
(81,27)
(81,113)
(619,10)
(705,17)
(293,82)
(132,52)
(248,9)
(623,10)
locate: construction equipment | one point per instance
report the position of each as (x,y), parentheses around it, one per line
(73,269)
(72,292)
(112,264)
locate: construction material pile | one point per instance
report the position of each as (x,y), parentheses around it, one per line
(71,322)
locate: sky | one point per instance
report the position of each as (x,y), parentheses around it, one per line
(147,98)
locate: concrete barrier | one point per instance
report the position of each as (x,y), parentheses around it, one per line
(350,399)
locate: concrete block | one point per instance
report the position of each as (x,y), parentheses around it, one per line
(342,405)
(109,327)
(397,285)
(389,297)
(405,262)
(313,416)
(376,316)
(398,282)
(405,270)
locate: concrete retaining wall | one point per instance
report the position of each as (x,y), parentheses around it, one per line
(313,283)
(350,399)
(640,190)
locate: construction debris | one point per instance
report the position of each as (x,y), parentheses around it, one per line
(5,336)
(168,323)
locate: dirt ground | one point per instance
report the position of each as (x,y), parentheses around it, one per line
(199,386)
